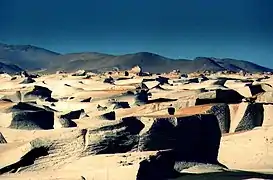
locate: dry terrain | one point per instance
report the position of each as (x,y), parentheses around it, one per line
(127,125)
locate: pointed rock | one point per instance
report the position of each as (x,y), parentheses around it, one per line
(2,139)
(108,116)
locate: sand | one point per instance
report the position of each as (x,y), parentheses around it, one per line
(242,152)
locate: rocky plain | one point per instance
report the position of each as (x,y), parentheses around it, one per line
(134,125)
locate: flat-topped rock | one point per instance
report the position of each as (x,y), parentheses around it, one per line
(29,116)
(219,96)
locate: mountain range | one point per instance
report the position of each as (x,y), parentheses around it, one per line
(15,58)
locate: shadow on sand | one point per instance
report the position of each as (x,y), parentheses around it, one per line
(225,175)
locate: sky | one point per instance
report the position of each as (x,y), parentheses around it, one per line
(241,29)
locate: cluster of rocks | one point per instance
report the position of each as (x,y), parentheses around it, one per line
(182,116)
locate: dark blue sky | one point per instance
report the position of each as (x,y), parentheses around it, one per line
(241,29)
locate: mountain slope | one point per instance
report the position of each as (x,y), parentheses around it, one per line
(150,62)
(97,61)
(235,65)
(34,58)
(9,68)
(26,56)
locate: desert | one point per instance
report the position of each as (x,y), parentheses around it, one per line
(130,124)
(136,90)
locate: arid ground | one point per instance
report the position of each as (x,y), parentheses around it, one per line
(127,125)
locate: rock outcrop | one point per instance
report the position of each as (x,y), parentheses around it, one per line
(30,117)
(219,96)
(188,140)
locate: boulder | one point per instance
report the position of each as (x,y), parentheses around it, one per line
(136,70)
(159,167)
(242,73)
(185,141)
(60,72)
(67,123)
(184,76)
(24,74)
(144,74)
(171,110)
(119,137)
(141,97)
(162,80)
(44,152)
(101,108)
(73,115)
(126,73)
(108,116)
(87,99)
(79,73)
(109,80)
(30,117)
(123,78)
(31,120)
(31,94)
(120,105)
(71,144)
(202,78)
(38,92)
(175,132)
(65,120)
(193,80)
(13,78)
(28,80)
(219,96)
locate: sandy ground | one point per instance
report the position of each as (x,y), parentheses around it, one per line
(246,151)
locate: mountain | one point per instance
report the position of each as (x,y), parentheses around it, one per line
(9,68)
(150,62)
(34,58)
(97,61)
(26,56)
(237,65)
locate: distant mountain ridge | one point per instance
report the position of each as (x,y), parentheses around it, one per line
(33,58)
(26,56)
(9,68)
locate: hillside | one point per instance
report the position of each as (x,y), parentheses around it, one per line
(34,58)
(150,62)
(26,56)
(9,68)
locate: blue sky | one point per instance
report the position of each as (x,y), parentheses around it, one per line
(241,29)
